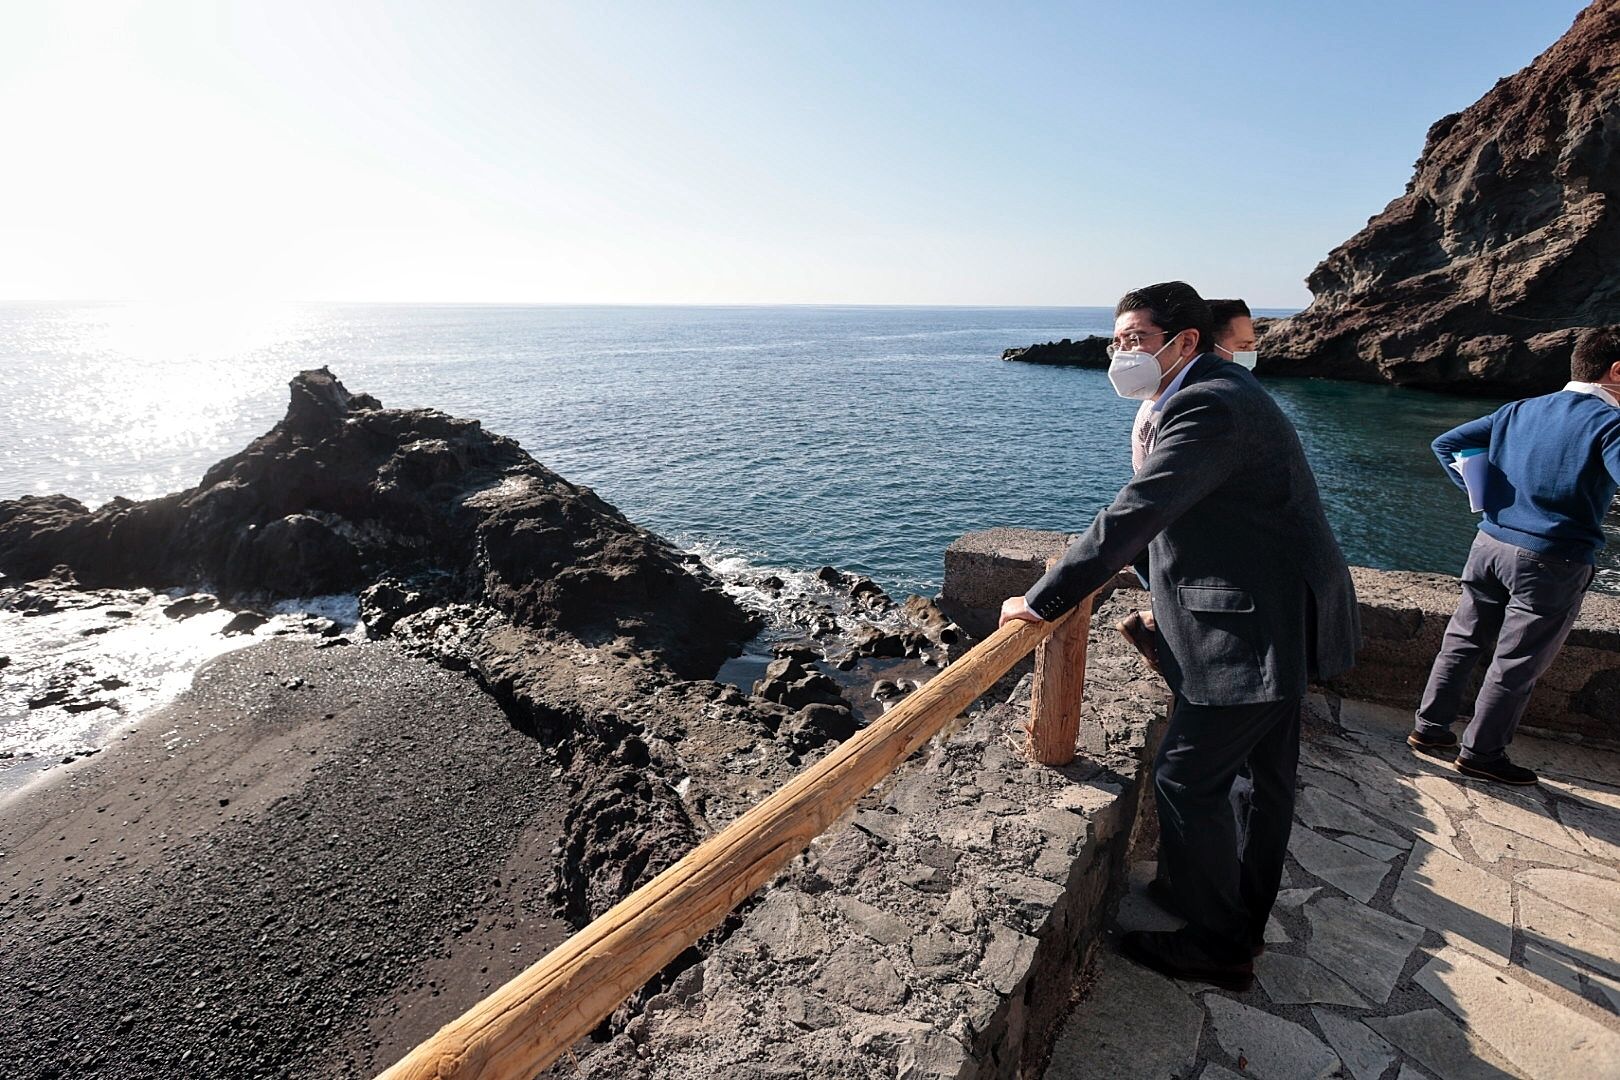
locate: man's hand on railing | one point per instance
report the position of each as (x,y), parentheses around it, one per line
(1016,607)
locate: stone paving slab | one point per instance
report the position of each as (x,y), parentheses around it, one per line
(1538,1034)
(1595,897)
(1297,980)
(1492,843)
(1267,1046)
(1492,950)
(1572,933)
(1361,1049)
(1445,1049)
(1346,868)
(1464,904)
(1105,1041)
(1368,948)
(1322,810)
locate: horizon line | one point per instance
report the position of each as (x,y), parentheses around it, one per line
(234,302)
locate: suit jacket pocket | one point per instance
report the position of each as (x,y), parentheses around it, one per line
(1214,599)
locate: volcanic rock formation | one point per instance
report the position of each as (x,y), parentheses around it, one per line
(597,637)
(343,492)
(1088,352)
(1480,277)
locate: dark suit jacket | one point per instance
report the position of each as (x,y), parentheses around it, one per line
(1250,589)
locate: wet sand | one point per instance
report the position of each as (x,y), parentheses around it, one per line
(303,866)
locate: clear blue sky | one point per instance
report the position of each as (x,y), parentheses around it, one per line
(693,152)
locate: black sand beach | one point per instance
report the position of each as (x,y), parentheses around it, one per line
(303,866)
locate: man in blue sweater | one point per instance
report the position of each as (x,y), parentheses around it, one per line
(1554,465)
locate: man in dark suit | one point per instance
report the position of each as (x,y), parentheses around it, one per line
(1252,599)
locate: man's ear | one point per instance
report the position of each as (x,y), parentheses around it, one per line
(1613,374)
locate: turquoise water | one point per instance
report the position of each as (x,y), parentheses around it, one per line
(868,438)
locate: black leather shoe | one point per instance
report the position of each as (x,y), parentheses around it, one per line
(1501,770)
(1431,744)
(1179,955)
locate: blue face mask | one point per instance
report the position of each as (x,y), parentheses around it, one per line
(1248,357)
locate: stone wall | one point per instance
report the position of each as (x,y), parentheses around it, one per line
(1403,617)
(937,932)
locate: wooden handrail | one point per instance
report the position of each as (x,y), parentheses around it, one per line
(536,1016)
(1060,689)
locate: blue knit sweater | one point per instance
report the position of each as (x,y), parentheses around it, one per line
(1555,466)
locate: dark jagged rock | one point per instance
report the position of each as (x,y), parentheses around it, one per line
(1479,278)
(788,682)
(245,622)
(343,492)
(620,833)
(1088,352)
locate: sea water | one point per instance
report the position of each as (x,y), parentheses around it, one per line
(863,437)
(787,438)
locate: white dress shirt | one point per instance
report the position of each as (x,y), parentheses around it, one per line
(1594,389)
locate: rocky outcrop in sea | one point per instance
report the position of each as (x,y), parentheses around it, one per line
(1480,277)
(1088,352)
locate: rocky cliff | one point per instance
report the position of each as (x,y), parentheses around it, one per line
(1480,277)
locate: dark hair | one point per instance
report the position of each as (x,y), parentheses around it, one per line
(1595,353)
(1173,306)
(1224,311)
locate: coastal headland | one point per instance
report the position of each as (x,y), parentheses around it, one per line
(268,874)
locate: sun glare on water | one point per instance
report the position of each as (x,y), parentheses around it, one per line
(148,381)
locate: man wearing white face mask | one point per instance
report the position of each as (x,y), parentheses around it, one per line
(1252,599)
(1233,329)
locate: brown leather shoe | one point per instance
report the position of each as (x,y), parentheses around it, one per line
(1177,954)
(1432,744)
(1135,630)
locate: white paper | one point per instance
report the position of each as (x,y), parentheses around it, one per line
(1473,470)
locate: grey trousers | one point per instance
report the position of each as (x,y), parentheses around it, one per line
(1527,602)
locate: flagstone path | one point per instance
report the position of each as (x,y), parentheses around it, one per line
(1429,926)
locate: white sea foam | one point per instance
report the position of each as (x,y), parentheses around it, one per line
(127,655)
(784,609)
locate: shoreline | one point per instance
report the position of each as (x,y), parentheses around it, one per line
(283,870)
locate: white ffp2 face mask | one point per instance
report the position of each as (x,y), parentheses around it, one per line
(1136,374)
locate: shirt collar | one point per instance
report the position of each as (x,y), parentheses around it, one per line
(1175,384)
(1594,389)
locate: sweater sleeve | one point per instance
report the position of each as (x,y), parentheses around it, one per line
(1611,452)
(1476,434)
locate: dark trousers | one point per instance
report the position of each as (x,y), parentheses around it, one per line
(1527,603)
(1226,889)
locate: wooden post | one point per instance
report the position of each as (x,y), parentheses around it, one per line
(532,1020)
(1060,687)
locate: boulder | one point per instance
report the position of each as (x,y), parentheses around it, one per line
(1480,277)
(788,682)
